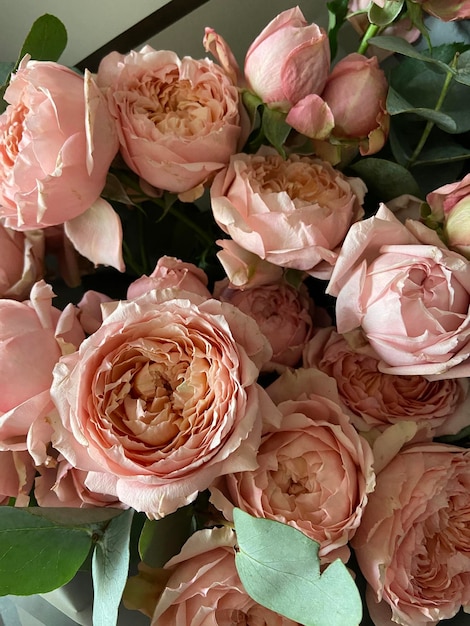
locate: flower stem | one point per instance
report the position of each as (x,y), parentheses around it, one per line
(370,32)
(430,124)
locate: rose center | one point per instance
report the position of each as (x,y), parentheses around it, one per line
(10,138)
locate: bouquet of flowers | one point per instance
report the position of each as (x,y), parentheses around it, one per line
(235,323)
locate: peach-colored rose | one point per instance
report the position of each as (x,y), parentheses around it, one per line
(283,313)
(375,400)
(446,10)
(289,60)
(57,141)
(245,269)
(178,119)
(291,212)
(314,471)
(162,398)
(413,545)
(204,588)
(21,261)
(33,337)
(408,293)
(356,92)
(171,273)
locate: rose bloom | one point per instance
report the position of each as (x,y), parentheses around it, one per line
(276,60)
(203,587)
(375,400)
(283,314)
(33,337)
(178,119)
(57,141)
(21,261)
(314,472)
(413,545)
(161,399)
(356,92)
(171,273)
(408,293)
(245,269)
(446,10)
(291,212)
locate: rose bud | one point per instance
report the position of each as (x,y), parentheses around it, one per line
(289,60)
(446,10)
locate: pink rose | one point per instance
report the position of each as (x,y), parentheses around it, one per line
(57,141)
(289,60)
(356,92)
(293,213)
(283,313)
(178,119)
(408,293)
(33,337)
(161,399)
(21,261)
(446,10)
(203,587)
(245,269)
(375,400)
(314,472)
(171,273)
(412,545)
(450,206)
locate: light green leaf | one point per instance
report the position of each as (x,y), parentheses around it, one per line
(110,567)
(251,102)
(383,16)
(280,569)
(386,179)
(38,555)
(275,128)
(46,40)
(463,68)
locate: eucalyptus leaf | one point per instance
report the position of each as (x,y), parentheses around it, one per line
(110,567)
(463,68)
(38,555)
(275,128)
(46,40)
(396,104)
(280,569)
(399,45)
(386,179)
(383,16)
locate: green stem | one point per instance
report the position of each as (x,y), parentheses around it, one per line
(430,124)
(370,32)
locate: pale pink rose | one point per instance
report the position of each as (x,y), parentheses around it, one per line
(203,588)
(412,545)
(446,10)
(283,313)
(289,60)
(408,293)
(57,141)
(33,337)
(17,473)
(291,212)
(161,399)
(178,119)
(245,269)
(89,311)
(21,261)
(375,400)
(314,472)
(62,485)
(450,206)
(356,93)
(171,273)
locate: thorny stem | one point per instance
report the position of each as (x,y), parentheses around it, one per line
(430,124)
(370,32)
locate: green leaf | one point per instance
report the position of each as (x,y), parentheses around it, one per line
(383,16)
(162,539)
(386,179)
(337,11)
(110,567)
(38,555)
(396,104)
(280,569)
(415,13)
(252,103)
(275,128)
(46,40)
(463,68)
(396,44)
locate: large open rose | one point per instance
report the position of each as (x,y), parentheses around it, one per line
(291,212)
(162,398)
(178,119)
(408,292)
(314,471)
(413,543)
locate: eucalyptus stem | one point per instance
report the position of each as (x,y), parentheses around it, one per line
(370,32)
(430,124)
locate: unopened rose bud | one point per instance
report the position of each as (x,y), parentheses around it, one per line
(457,227)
